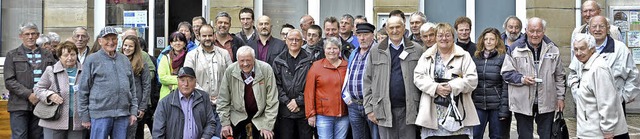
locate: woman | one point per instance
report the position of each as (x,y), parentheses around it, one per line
(490,97)
(170,62)
(131,48)
(598,112)
(65,71)
(445,70)
(324,107)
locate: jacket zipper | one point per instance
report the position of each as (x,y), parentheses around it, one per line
(484,85)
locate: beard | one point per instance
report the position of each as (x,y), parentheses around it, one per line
(513,37)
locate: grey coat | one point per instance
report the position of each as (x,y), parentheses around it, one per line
(168,119)
(376,82)
(143,87)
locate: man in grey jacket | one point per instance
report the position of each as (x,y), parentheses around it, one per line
(186,113)
(105,102)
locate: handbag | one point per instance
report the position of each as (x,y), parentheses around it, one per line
(559,128)
(453,121)
(49,111)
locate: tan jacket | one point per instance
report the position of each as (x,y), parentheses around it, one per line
(598,111)
(519,63)
(47,86)
(204,67)
(461,64)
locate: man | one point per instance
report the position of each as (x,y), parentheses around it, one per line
(512,26)
(80,38)
(248,32)
(55,38)
(23,67)
(590,9)
(286,27)
(305,22)
(290,69)
(617,57)
(463,29)
(331,27)
(248,99)
(360,19)
(104,102)
(197,22)
(415,21)
(314,43)
(400,14)
(534,72)
(209,63)
(346,30)
(222,38)
(125,33)
(428,35)
(265,45)
(390,101)
(352,90)
(185,113)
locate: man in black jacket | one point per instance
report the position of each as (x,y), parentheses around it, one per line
(266,47)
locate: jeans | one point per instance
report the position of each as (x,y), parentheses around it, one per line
(115,127)
(525,124)
(330,127)
(24,125)
(361,127)
(491,117)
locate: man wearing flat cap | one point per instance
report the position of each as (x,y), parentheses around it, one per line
(186,113)
(353,87)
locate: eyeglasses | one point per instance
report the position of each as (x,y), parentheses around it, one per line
(294,39)
(597,26)
(31,34)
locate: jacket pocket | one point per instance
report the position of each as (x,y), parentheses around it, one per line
(21,64)
(379,109)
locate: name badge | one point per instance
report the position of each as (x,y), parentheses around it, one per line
(403,55)
(248,80)
(550,55)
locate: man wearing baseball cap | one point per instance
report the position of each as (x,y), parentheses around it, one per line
(186,112)
(106,104)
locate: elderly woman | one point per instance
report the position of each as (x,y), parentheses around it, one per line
(45,42)
(490,97)
(58,85)
(131,48)
(428,35)
(445,71)
(598,113)
(324,107)
(170,62)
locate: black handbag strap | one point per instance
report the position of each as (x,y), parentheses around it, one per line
(55,77)
(559,115)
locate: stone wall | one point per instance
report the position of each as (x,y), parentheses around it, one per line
(62,16)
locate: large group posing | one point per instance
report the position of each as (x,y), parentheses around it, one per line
(430,81)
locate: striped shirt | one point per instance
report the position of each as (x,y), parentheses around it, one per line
(35,58)
(356,74)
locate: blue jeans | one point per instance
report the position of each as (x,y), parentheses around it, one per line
(115,127)
(361,127)
(24,125)
(491,117)
(330,127)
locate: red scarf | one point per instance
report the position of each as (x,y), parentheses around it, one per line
(177,60)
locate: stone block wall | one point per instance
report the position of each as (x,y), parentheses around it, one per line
(62,16)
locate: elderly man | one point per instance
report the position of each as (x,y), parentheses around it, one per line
(607,120)
(463,29)
(305,23)
(361,127)
(590,9)
(23,67)
(105,104)
(265,45)
(617,57)
(415,21)
(222,38)
(390,101)
(185,113)
(248,32)
(533,69)
(209,63)
(428,35)
(399,13)
(197,22)
(55,38)
(290,69)
(331,28)
(346,30)
(248,99)
(80,38)
(512,27)
(314,43)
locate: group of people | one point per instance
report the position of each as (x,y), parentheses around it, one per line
(430,81)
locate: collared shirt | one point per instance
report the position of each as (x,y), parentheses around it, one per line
(601,47)
(213,65)
(227,45)
(190,130)
(394,46)
(83,55)
(263,49)
(35,58)
(72,72)
(356,74)
(292,62)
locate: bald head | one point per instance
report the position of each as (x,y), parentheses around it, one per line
(264,26)
(590,8)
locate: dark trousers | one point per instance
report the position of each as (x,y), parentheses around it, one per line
(293,128)
(525,124)
(506,126)
(24,125)
(146,119)
(488,117)
(623,136)
(449,137)
(246,130)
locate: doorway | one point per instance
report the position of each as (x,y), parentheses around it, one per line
(182,10)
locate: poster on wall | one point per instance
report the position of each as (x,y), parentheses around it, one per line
(135,19)
(633,38)
(636,55)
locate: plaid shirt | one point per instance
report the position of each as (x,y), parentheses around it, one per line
(356,74)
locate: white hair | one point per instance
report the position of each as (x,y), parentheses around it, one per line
(42,40)
(293,30)
(587,38)
(54,36)
(426,27)
(245,50)
(544,22)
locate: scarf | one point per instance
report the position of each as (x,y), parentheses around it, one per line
(177,60)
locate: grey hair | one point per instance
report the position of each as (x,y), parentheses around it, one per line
(223,14)
(42,40)
(589,39)
(504,25)
(348,16)
(81,28)
(399,19)
(245,50)
(293,30)
(423,17)
(28,25)
(544,22)
(54,36)
(597,4)
(426,26)
(333,40)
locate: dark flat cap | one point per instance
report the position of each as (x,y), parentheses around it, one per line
(186,71)
(365,28)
